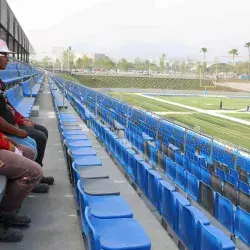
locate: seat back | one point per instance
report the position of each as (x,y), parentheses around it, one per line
(180,178)
(206,197)
(229,192)
(232,180)
(243,187)
(92,236)
(216,183)
(153,187)
(167,202)
(210,238)
(142,175)
(195,169)
(224,212)
(180,202)
(242,225)
(170,168)
(192,186)
(188,225)
(221,174)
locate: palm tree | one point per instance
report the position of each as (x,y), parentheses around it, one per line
(233,52)
(247,45)
(204,51)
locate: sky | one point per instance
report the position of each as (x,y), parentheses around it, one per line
(131,28)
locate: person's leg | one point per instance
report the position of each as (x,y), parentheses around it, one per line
(40,139)
(23,174)
(42,129)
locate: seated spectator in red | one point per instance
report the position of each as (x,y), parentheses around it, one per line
(23,173)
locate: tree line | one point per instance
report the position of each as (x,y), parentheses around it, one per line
(69,61)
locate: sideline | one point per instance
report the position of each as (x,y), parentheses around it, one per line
(209,112)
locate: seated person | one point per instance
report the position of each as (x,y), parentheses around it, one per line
(22,173)
(12,117)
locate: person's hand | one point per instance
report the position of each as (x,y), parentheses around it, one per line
(28,123)
(11,147)
(21,133)
(15,144)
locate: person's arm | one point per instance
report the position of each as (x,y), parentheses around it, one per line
(6,127)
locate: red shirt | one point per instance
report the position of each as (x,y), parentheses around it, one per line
(19,119)
(4,143)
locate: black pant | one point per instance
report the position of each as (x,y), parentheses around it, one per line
(40,134)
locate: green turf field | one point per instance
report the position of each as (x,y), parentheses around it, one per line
(233,132)
(145,103)
(236,133)
(212,103)
(241,115)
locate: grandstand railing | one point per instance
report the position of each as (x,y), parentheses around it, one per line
(214,144)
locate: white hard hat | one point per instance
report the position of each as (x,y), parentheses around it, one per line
(4,48)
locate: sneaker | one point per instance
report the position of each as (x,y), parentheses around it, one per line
(47,180)
(41,188)
(14,220)
(10,235)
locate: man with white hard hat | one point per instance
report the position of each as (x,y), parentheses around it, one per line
(27,128)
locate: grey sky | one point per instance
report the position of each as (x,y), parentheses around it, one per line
(137,27)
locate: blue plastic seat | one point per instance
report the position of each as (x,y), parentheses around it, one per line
(192,186)
(170,170)
(195,169)
(231,179)
(186,164)
(79,143)
(224,211)
(179,202)
(103,206)
(221,174)
(242,225)
(243,186)
(180,178)
(85,151)
(142,175)
(188,225)
(205,176)
(153,187)
(212,238)
(133,162)
(91,160)
(167,202)
(115,234)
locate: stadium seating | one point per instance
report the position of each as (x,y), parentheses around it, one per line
(191,174)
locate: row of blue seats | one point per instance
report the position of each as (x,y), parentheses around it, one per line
(218,151)
(17,71)
(29,89)
(126,157)
(58,97)
(187,174)
(99,212)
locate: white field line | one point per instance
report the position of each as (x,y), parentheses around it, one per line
(208,112)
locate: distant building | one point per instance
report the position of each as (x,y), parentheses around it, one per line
(93,56)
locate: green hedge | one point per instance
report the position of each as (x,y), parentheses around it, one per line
(98,81)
